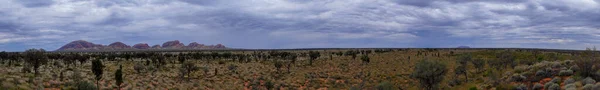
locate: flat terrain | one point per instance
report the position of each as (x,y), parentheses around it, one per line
(328,71)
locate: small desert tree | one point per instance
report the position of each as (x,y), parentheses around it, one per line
(278,64)
(462,65)
(479,64)
(3,56)
(429,73)
(588,63)
(119,77)
(365,59)
(97,68)
(181,59)
(188,68)
(36,58)
(313,55)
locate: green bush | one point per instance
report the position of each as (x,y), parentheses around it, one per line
(588,80)
(521,87)
(84,85)
(570,87)
(565,73)
(596,86)
(574,68)
(555,80)
(429,73)
(553,86)
(542,74)
(537,86)
(385,86)
(473,88)
(588,87)
(570,81)
(517,78)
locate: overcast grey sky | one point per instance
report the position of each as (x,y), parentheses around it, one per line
(49,24)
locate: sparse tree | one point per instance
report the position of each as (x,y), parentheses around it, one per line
(507,59)
(181,59)
(36,58)
(478,64)
(278,64)
(187,68)
(429,73)
(588,64)
(3,56)
(313,55)
(119,77)
(365,59)
(97,68)
(462,65)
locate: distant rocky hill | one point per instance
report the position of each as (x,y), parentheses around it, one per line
(175,44)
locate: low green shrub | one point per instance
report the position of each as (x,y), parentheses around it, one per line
(385,86)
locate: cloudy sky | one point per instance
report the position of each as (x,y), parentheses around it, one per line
(49,24)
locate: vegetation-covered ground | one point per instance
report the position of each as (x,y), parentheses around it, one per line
(395,69)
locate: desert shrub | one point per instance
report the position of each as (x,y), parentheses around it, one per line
(596,86)
(565,73)
(151,68)
(517,78)
(269,85)
(76,76)
(478,64)
(553,86)
(588,87)
(278,65)
(473,88)
(537,86)
(454,82)
(556,65)
(429,73)
(542,73)
(84,85)
(570,87)
(521,68)
(187,68)
(574,68)
(548,85)
(138,67)
(315,54)
(570,81)
(461,69)
(354,88)
(588,80)
(568,62)
(588,64)
(232,68)
(384,86)
(555,80)
(365,59)
(205,69)
(26,69)
(521,87)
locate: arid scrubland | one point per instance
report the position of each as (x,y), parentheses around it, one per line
(385,69)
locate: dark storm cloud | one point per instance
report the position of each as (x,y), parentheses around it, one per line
(570,24)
